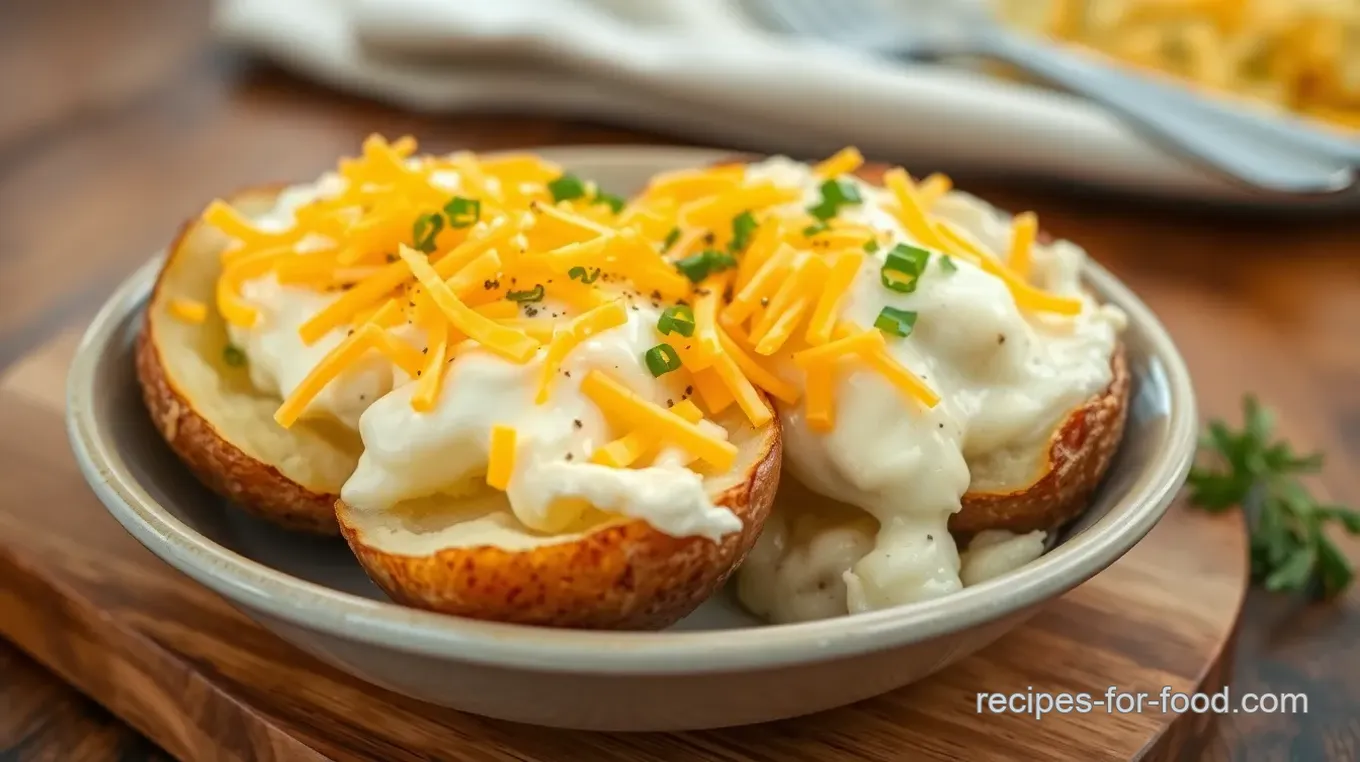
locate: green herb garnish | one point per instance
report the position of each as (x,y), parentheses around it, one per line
(463,212)
(696,267)
(814,229)
(678,319)
(1290,550)
(581,274)
(568,187)
(615,203)
(743,227)
(947,264)
(835,194)
(871,246)
(425,231)
(534,294)
(661,359)
(671,238)
(895,322)
(903,267)
(234,356)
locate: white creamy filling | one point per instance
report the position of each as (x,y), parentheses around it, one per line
(409,455)
(1005,379)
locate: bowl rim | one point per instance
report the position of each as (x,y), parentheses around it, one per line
(311,606)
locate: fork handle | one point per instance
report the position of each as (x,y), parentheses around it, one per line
(1235,144)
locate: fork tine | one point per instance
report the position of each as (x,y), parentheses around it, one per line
(836,20)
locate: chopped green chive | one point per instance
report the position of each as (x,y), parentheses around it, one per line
(743,227)
(534,294)
(895,322)
(696,267)
(566,188)
(425,230)
(233,355)
(903,267)
(615,203)
(678,319)
(814,229)
(671,238)
(661,359)
(463,212)
(835,194)
(947,264)
(871,245)
(581,274)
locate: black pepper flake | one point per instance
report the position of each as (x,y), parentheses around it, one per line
(411,304)
(346,286)
(764,301)
(656,295)
(550,280)
(682,302)
(1001,338)
(930,538)
(350,332)
(530,311)
(689,390)
(635,308)
(417,374)
(569,456)
(363,397)
(670,403)
(709,238)
(425,351)
(391,258)
(577,423)
(513,281)
(702,291)
(727,294)
(942,425)
(566,373)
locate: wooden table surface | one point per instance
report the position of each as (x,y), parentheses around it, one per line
(119,120)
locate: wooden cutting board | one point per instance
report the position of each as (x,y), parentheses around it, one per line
(178,663)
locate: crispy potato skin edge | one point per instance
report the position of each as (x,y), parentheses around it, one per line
(1079,452)
(255,486)
(625,577)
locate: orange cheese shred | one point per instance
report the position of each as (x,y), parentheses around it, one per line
(501,460)
(618,401)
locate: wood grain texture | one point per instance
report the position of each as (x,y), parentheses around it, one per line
(184,668)
(119,121)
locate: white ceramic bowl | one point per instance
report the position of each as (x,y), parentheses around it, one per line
(717,667)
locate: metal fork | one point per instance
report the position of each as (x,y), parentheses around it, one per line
(1274,155)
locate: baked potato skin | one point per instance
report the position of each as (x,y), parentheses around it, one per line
(624,577)
(1079,452)
(1080,449)
(255,486)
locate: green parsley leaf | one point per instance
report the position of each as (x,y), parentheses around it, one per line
(743,227)
(671,238)
(568,187)
(463,212)
(1290,549)
(835,194)
(234,356)
(615,203)
(425,230)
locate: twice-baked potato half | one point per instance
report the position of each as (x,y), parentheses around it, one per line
(942,378)
(488,368)
(198,390)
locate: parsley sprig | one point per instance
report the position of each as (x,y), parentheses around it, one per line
(1290,550)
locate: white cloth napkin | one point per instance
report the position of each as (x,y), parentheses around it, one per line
(700,69)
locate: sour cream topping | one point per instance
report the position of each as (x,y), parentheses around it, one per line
(1005,378)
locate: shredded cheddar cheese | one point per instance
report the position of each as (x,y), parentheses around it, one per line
(501,459)
(528,263)
(189,310)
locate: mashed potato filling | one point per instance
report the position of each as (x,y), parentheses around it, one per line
(1005,378)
